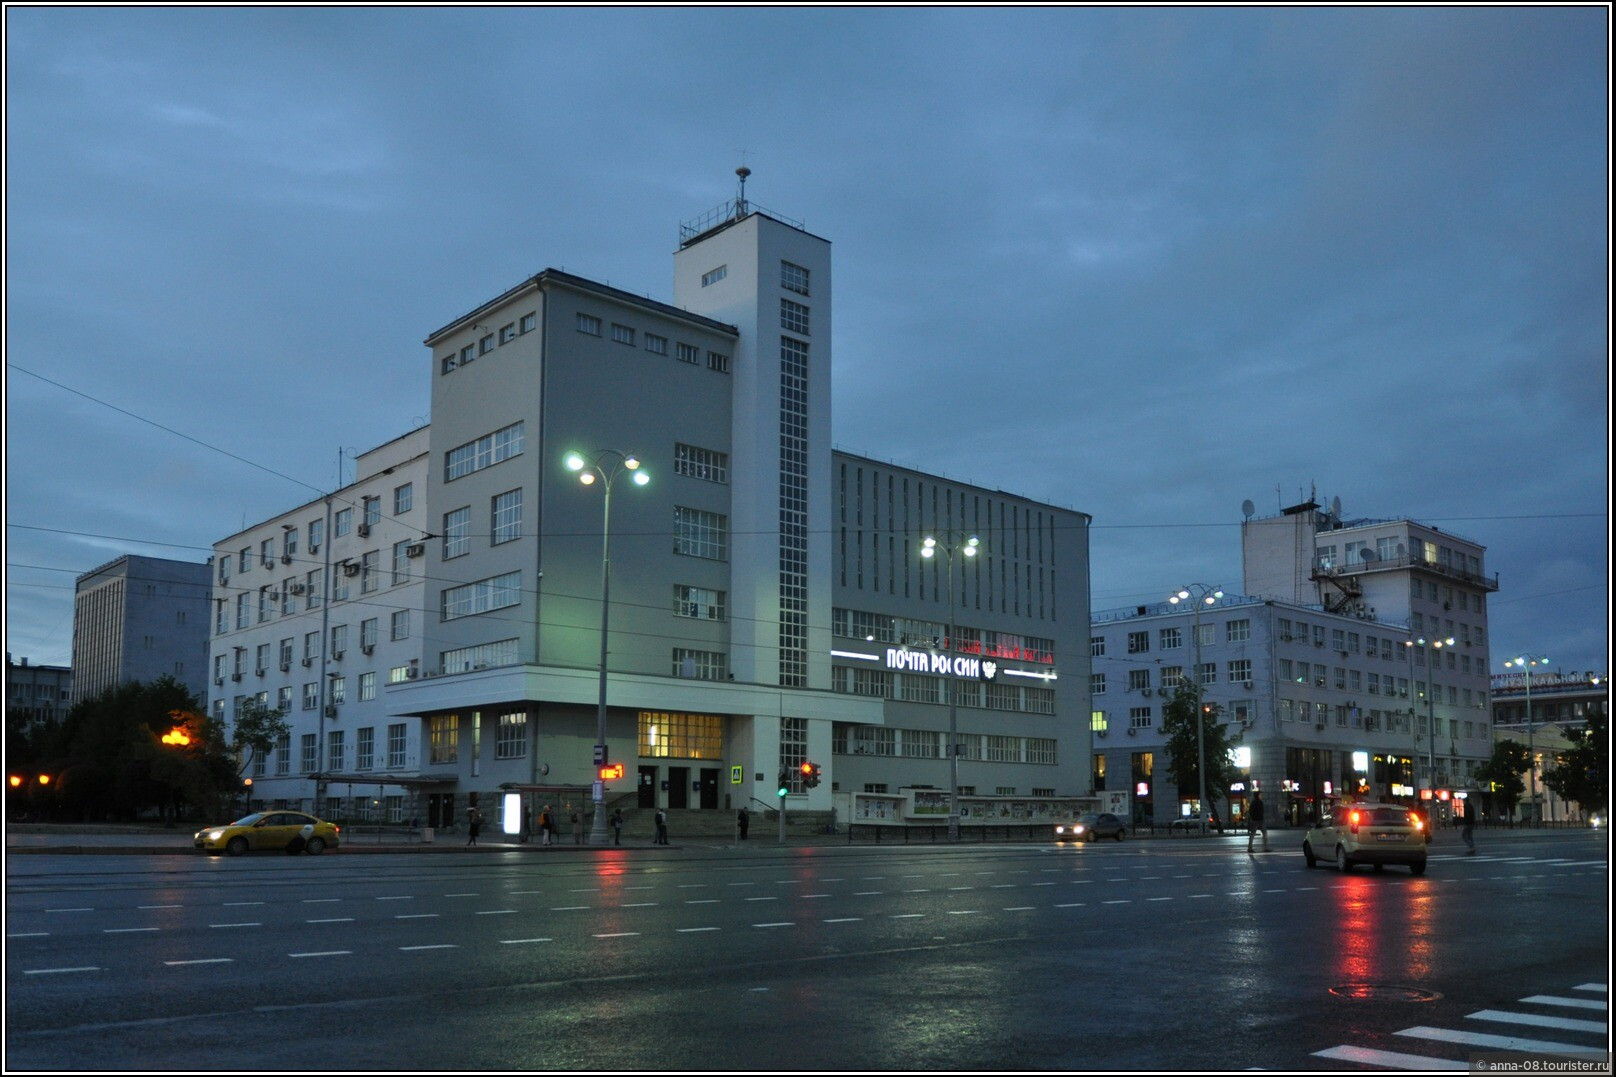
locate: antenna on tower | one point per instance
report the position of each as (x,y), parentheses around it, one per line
(740,198)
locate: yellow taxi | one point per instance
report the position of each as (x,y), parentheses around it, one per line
(1367,833)
(269,830)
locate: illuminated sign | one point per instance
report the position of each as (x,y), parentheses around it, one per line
(1142,789)
(1360,762)
(1241,756)
(511,817)
(735,774)
(611,772)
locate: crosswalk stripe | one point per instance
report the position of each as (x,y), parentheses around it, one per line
(1394,1060)
(1502,1043)
(1567,1024)
(1590,987)
(1557,1000)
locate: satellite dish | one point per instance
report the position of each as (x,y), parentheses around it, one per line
(1335,507)
(1367,554)
(1402,551)
(1247,508)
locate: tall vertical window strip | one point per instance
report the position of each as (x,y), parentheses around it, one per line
(793,496)
(793,748)
(486,451)
(794,316)
(506,522)
(700,463)
(456,533)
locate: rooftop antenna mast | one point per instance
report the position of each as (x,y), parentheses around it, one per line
(740,199)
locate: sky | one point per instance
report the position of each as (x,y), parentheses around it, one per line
(1146,263)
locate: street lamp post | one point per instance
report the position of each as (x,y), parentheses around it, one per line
(1430,710)
(1525,662)
(604,466)
(967,545)
(1205,595)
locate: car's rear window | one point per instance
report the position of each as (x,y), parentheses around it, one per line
(1388,817)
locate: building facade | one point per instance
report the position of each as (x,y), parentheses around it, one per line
(1538,712)
(1351,665)
(137,619)
(36,695)
(727,571)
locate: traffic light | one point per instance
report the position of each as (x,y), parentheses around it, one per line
(784,785)
(810,776)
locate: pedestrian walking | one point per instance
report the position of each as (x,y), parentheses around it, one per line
(474,823)
(617,826)
(577,827)
(661,828)
(1469,831)
(743,819)
(546,824)
(1255,822)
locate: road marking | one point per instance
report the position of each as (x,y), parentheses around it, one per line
(1590,987)
(692,886)
(1394,1060)
(778,923)
(753,883)
(250,924)
(1118,901)
(627,905)
(311,901)
(1071,905)
(962,888)
(1482,1039)
(1557,1000)
(332,920)
(228,904)
(29,935)
(1017,908)
(616,934)
(833,880)
(461,895)
(124,930)
(1159,899)
(1567,1024)
(868,893)
(963,912)
(917,891)
(907,915)
(434,946)
(1279,891)
(494,912)
(398,897)
(322,953)
(763,899)
(159,906)
(701,901)
(1043,884)
(845,920)
(415,916)
(517,892)
(518,942)
(567,908)
(69,910)
(586,890)
(203,961)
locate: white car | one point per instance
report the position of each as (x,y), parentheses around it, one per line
(1377,834)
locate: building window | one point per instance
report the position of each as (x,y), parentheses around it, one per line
(1096,646)
(698,533)
(1138,679)
(689,353)
(623,334)
(397,739)
(456,533)
(401,563)
(482,596)
(700,603)
(367,686)
(718,361)
(370,563)
(401,624)
(1171,638)
(656,345)
(529,322)
(793,278)
(403,498)
(1096,684)
(588,323)
(713,276)
(365,749)
(506,517)
(483,656)
(700,665)
(1240,671)
(672,735)
(1138,642)
(308,760)
(794,317)
(700,463)
(510,736)
(486,451)
(283,754)
(344,522)
(507,332)
(334,751)
(1138,717)
(443,733)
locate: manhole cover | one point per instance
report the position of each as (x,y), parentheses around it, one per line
(1385,993)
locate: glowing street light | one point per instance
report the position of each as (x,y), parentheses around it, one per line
(1525,662)
(604,467)
(1204,594)
(968,546)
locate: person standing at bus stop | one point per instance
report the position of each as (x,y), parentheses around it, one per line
(1255,821)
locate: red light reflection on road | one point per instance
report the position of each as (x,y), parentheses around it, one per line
(1382,929)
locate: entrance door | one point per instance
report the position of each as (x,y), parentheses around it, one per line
(678,787)
(648,787)
(440,810)
(709,787)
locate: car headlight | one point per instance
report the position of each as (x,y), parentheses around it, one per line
(214,835)
(1077,830)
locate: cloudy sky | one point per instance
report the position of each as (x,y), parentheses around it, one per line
(1145,263)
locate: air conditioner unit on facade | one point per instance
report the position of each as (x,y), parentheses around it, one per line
(219,682)
(1099,733)
(262,670)
(1132,731)
(336,656)
(330,710)
(1246,685)
(297,588)
(1145,691)
(350,569)
(415,549)
(286,558)
(308,662)
(235,676)
(410,674)
(367,648)
(269,562)
(273,596)
(364,530)
(285,666)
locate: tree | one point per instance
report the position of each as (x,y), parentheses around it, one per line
(1582,773)
(1503,771)
(1179,719)
(105,750)
(254,732)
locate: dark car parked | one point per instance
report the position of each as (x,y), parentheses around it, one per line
(1089,826)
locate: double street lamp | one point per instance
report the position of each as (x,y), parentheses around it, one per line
(1203,594)
(604,466)
(1525,663)
(966,545)
(1430,707)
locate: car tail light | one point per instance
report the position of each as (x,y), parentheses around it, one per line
(1416,822)
(1354,819)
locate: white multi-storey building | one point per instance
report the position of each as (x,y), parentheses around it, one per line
(729,572)
(317,610)
(1351,665)
(139,618)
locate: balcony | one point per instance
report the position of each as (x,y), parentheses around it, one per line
(1408,561)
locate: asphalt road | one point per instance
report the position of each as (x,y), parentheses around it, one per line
(1134,956)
